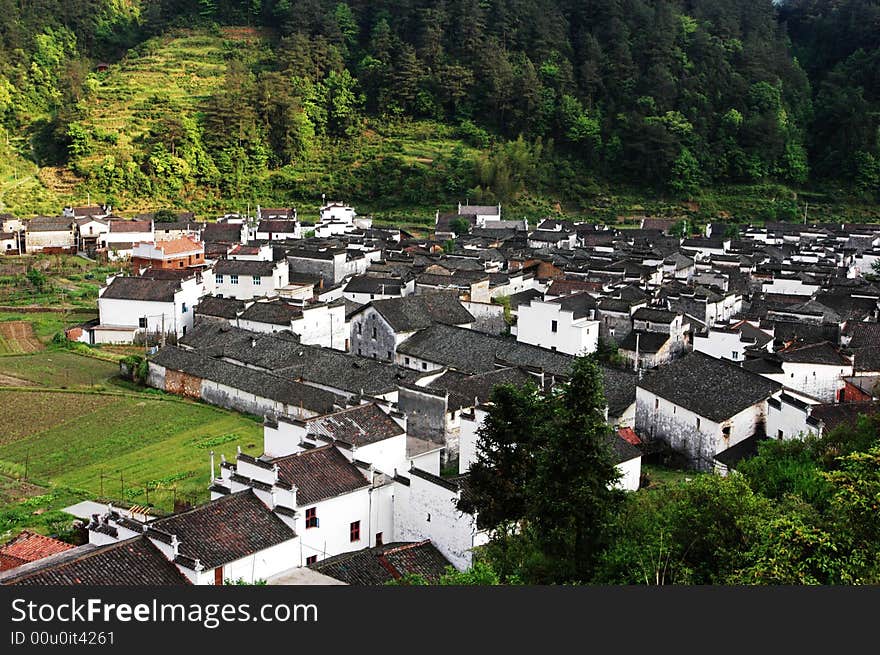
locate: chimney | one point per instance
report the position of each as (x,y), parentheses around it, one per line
(212,465)
(293,491)
(175,545)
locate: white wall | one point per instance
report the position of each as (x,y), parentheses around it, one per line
(574,337)
(817,380)
(246,289)
(788,422)
(431,514)
(793,287)
(721,345)
(630,474)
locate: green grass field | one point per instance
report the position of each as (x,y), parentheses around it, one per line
(58,368)
(119,447)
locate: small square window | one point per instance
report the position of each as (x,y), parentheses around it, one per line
(354,531)
(311,559)
(553,326)
(233,279)
(218,279)
(312,518)
(379,539)
(424,366)
(142,322)
(256,280)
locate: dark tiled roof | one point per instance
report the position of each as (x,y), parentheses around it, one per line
(685,382)
(220,307)
(375,285)
(122,225)
(648,342)
(244,267)
(843,414)
(278,225)
(620,390)
(654,315)
(482,210)
(49,224)
(276,312)
(379,565)
(417,312)
(141,288)
(474,352)
(464,389)
(225,232)
(579,304)
(357,426)
(134,562)
(319,473)
(813,353)
(226,529)
(744,449)
(524,297)
(621,449)
(258,383)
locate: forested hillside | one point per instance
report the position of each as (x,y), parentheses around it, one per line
(414,102)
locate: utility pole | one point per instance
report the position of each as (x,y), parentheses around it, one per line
(163,330)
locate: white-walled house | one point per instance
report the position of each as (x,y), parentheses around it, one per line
(322,495)
(245,279)
(565,324)
(131,305)
(315,323)
(122,235)
(233,537)
(380,326)
(426,508)
(701,406)
(815,369)
(731,342)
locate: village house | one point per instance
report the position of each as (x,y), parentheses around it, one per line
(89,233)
(50,234)
(566,324)
(245,280)
(426,507)
(181,253)
(380,326)
(315,323)
(364,288)
(731,342)
(276,229)
(815,369)
(131,306)
(657,337)
(130,562)
(673,406)
(234,386)
(385,563)
(122,235)
(234,537)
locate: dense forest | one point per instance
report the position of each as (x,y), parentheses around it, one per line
(550,96)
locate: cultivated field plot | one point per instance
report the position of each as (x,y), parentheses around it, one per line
(15,491)
(121,447)
(18,337)
(57,369)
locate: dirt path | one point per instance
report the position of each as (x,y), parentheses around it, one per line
(19,337)
(11,381)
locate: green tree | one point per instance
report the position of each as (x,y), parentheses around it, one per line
(544,478)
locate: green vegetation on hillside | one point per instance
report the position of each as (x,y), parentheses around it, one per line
(544,106)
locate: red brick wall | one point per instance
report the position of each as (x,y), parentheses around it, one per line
(183,384)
